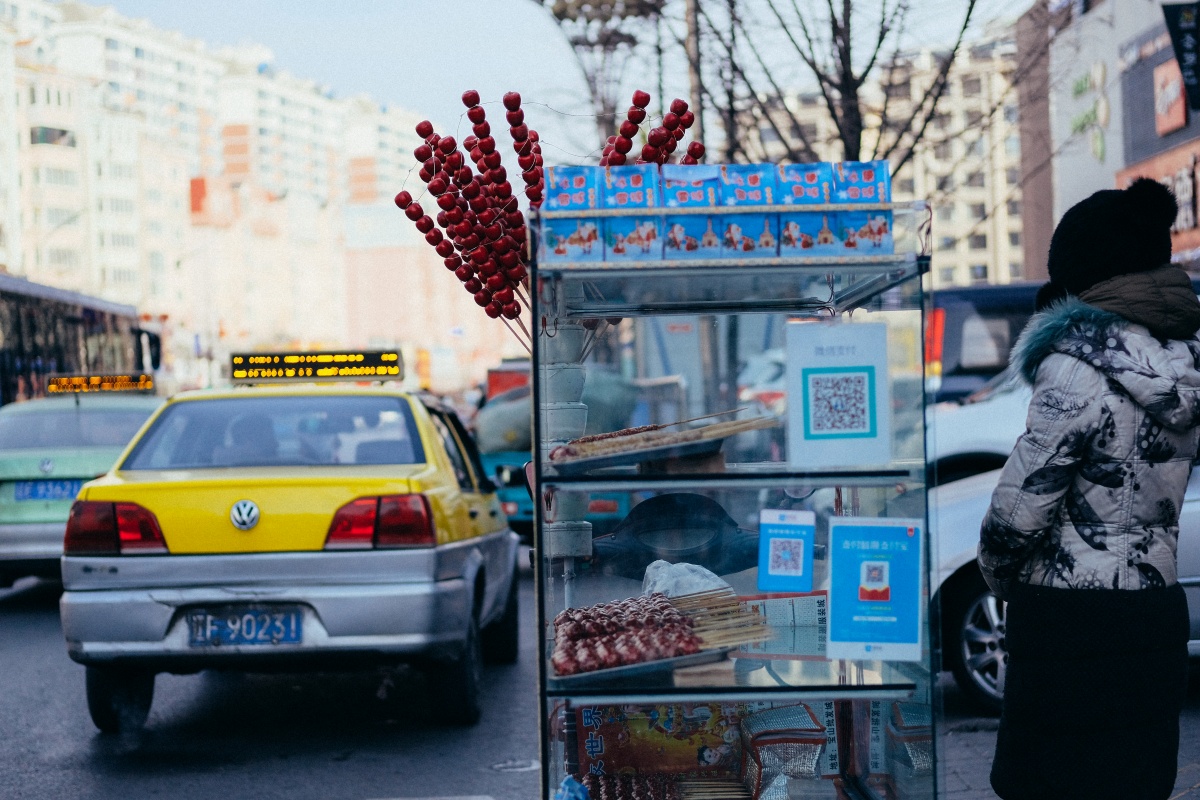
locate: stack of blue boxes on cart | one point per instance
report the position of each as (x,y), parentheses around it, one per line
(727,211)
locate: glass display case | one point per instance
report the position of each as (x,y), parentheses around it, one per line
(754,625)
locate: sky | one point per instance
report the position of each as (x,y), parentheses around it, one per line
(422,54)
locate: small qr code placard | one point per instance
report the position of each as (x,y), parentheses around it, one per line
(840,403)
(787,557)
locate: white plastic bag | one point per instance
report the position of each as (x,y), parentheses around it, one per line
(674,580)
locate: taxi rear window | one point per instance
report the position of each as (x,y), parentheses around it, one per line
(70,427)
(280,432)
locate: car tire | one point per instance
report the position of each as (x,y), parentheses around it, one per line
(456,683)
(973,645)
(501,639)
(119,699)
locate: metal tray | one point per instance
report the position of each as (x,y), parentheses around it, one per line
(574,466)
(635,670)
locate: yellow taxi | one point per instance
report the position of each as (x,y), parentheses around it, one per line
(289,527)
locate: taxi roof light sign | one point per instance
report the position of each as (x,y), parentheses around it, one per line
(85,384)
(307,367)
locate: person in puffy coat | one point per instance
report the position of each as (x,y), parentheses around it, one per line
(1081,534)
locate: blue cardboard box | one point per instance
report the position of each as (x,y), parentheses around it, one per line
(804,184)
(632,238)
(806,234)
(571,239)
(867,232)
(688,236)
(747,233)
(862,182)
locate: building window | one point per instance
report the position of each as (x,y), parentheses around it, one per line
(905,185)
(61,216)
(946,274)
(947,243)
(942,151)
(1012,175)
(60,257)
(1012,145)
(1011,115)
(945,213)
(979,273)
(1014,238)
(978,211)
(945,183)
(112,44)
(127,240)
(33,95)
(61,177)
(41,135)
(972,87)
(977,241)
(1014,269)
(139,52)
(1014,208)
(975,179)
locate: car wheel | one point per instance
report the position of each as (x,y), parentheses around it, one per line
(974,644)
(119,699)
(501,639)
(456,683)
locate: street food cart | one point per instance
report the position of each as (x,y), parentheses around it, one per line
(757,626)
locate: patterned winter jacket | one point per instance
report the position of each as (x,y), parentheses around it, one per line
(1090,496)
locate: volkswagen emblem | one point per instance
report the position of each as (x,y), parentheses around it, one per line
(244,515)
(46,466)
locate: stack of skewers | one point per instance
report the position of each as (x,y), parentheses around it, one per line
(651,628)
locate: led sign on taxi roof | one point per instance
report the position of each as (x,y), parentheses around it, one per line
(357,365)
(83,384)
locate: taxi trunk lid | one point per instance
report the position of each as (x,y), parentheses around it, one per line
(294,511)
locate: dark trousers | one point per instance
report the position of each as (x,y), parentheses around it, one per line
(1095,683)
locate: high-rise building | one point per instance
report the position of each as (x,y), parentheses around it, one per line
(235,204)
(967,163)
(278,131)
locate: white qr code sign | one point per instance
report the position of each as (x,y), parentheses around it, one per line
(839,374)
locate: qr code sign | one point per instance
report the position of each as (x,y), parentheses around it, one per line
(839,404)
(787,557)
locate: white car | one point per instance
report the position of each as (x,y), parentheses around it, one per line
(972,619)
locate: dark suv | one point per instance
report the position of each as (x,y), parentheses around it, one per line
(969,333)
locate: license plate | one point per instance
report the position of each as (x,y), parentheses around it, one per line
(46,490)
(245,625)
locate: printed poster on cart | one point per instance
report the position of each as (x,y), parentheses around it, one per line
(875,588)
(839,396)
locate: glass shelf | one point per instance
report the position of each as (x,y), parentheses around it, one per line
(752,676)
(735,476)
(798,287)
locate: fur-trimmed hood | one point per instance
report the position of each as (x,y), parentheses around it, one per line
(1162,376)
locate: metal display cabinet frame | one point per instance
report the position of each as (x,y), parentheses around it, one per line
(875,713)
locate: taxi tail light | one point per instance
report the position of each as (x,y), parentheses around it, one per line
(137,529)
(91,530)
(399,520)
(405,520)
(109,529)
(353,526)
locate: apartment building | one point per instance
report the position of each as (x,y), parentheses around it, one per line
(237,205)
(278,131)
(968,164)
(166,78)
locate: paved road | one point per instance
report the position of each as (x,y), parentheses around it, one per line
(341,737)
